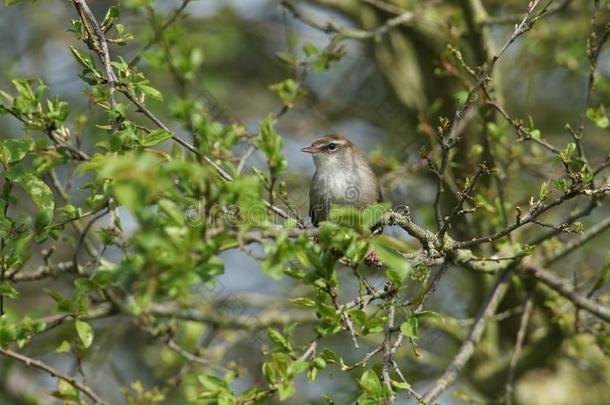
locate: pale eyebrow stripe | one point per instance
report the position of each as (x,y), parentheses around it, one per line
(340,142)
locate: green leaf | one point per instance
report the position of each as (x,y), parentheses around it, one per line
(85,332)
(319,362)
(430,315)
(310,49)
(64,347)
(150,91)
(397,266)
(400,385)
(270,143)
(71,212)
(7,290)
(297,367)
(312,373)
(41,193)
(14,150)
(213,383)
(329,356)
(43,218)
(65,390)
(111,15)
(54,294)
(370,383)
(289,91)
(410,328)
(11,2)
(461,96)
(599,116)
(303,302)
(286,58)
(544,191)
(270,373)
(286,390)
(277,338)
(85,61)
(569,150)
(535,133)
(155,137)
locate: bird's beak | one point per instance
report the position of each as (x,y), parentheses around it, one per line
(311,149)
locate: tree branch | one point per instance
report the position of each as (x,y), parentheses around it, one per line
(467,349)
(555,283)
(55,373)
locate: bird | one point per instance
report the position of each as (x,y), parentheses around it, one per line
(342,177)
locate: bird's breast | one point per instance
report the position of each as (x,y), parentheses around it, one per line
(344,188)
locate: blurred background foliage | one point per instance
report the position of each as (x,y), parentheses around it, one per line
(234,62)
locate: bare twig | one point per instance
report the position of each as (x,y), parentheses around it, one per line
(525,25)
(555,283)
(465,194)
(248,323)
(175,15)
(83,8)
(594,49)
(534,213)
(510,19)
(41,272)
(6,192)
(28,361)
(352,33)
(467,349)
(387,352)
(518,347)
(365,360)
(85,233)
(344,315)
(574,244)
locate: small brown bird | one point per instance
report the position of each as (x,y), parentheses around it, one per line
(343,177)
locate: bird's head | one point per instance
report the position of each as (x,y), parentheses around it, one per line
(331,150)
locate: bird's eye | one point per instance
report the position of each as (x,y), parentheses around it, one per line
(332,146)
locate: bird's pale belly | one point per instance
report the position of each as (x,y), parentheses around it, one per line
(342,190)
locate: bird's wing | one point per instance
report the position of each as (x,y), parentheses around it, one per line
(316,210)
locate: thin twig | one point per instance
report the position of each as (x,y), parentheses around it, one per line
(465,194)
(511,19)
(555,283)
(28,361)
(177,12)
(525,25)
(574,244)
(352,33)
(6,192)
(467,349)
(84,234)
(387,351)
(529,304)
(82,6)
